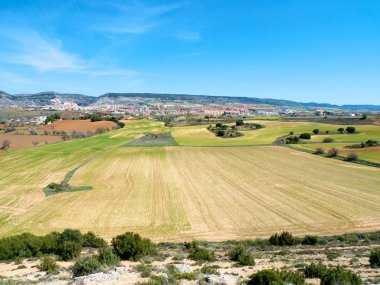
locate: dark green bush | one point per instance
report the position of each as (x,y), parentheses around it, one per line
(328,140)
(198,253)
(374,258)
(292,277)
(305,136)
(266,277)
(107,257)
(48,264)
(69,250)
(50,243)
(91,240)
(310,240)
(241,256)
(338,275)
(284,239)
(71,235)
(131,246)
(86,266)
(350,130)
(239,122)
(314,270)
(24,245)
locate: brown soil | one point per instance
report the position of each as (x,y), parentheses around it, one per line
(78,125)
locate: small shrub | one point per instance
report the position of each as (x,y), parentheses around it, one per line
(305,136)
(310,240)
(69,250)
(220,133)
(266,277)
(241,256)
(339,275)
(334,151)
(332,254)
(352,156)
(314,270)
(198,253)
(316,131)
(239,122)
(107,257)
(210,269)
(319,150)
(48,264)
(284,239)
(350,130)
(144,270)
(292,277)
(328,140)
(86,266)
(374,258)
(131,246)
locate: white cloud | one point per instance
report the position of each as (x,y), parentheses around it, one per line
(30,48)
(136,19)
(189,36)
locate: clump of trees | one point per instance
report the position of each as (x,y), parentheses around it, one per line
(100,117)
(66,245)
(350,130)
(52,118)
(305,136)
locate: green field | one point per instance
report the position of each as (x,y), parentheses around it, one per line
(187,192)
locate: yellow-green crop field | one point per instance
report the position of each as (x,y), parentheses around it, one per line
(194,190)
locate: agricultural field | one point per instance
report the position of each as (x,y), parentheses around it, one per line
(187,192)
(21,137)
(78,125)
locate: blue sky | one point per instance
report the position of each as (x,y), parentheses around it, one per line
(303,50)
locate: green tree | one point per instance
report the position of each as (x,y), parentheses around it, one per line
(131,246)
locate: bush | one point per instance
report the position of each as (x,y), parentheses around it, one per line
(50,243)
(350,130)
(305,136)
(314,270)
(241,256)
(292,277)
(220,133)
(69,250)
(292,139)
(48,264)
(319,150)
(352,156)
(328,140)
(210,269)
(374,258)
(310,240)
(91,240)
(144,270)
(339,275)
(266,277)
(86,266)
(285,238)
(107,257)
(71,235)
(20,246)
(341,130)
(316,131)
(198,253)
(239,122)
(334,151)
(131,246)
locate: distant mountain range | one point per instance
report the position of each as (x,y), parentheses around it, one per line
(43,98)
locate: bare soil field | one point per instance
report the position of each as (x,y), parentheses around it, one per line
(78,125)
(25,141)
